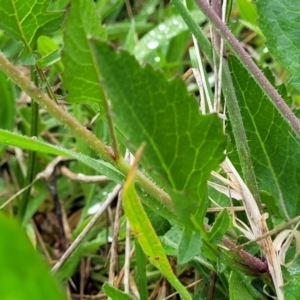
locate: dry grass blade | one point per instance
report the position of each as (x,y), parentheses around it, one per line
(283,242)
(258,227)
(87,229)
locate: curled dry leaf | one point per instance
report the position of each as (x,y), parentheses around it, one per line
(283,242)
(258,225)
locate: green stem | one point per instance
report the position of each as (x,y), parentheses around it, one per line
(232,104)
(141,271)
(159,200)
(32,154)
(240,135)
(55,110)
(112,131)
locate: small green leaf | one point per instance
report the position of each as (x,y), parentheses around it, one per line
(237,289)
(273,145)
(114,293)
(69,267)
(279,21)
(145,233)
(170,243)
(219,227)
(48,48)
(23,274)
(189,245)
(81,76)
(49,59)
(182,146)
(27,20)
(247,11)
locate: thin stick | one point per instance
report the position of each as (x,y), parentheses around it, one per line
(87,229)
(114,244)
(248,63)
(271,232)
(127,259)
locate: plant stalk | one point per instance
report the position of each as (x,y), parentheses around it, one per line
(32,154)
(159,199)
(232,104)
(249,64)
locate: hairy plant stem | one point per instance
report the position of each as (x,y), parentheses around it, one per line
(159,199)
(32,154)
(112,131)
(232,104)
(249,64)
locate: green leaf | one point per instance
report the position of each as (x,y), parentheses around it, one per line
(50,53)
(170,242)
(114,293)
(101,166)
(182,146)
(145,233)
(27,20)
(247,11)
(80,76)
(8,110)
(49,59)
(141,272)
(21,268)
(279,21)
(291,289)
(189,245)
(219,227)
(120,30)
(33,144)
(69,267)
(237,289)
(273,145)
(162,33)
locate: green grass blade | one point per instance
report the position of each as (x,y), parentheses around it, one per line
(114,293)
(32,144)
(163,33)
(145,233)
(141,271)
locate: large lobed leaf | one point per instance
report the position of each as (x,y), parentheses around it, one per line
(182,146)
(279,21)
(27,20)
(274,147)
(80,76)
